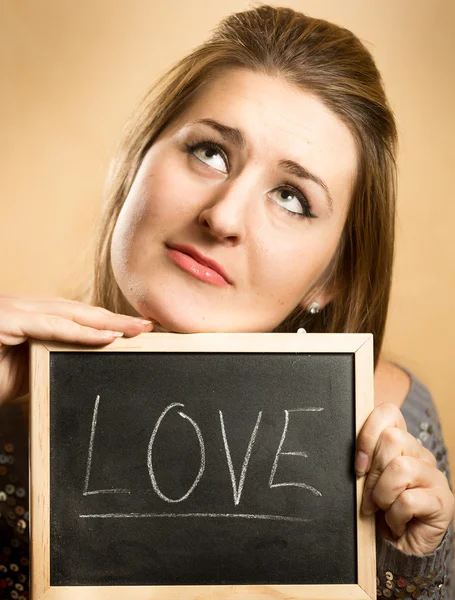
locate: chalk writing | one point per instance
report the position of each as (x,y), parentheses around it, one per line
(237,487)
(279,453)
(150,454)
(90,446)
(178,515)
(238,490)
(90,455)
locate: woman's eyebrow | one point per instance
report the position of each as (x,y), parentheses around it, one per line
(236,137)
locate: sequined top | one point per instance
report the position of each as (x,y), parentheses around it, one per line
(399,575)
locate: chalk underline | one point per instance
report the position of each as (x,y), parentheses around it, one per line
(174,515)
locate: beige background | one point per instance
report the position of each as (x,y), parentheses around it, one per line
(71,71)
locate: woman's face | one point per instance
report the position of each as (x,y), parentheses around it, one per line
(233,236)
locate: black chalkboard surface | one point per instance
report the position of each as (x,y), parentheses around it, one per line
(176,463)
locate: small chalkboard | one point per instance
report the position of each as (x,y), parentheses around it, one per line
(200,466)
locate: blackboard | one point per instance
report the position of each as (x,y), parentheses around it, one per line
(198,466)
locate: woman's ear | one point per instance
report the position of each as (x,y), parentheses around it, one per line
(322,292)
(317,301)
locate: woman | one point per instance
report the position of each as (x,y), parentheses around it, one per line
(254,190)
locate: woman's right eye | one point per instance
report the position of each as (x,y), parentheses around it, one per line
(206,151)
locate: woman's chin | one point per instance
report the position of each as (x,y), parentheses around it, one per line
(189,318)
(178,323)
(174,326)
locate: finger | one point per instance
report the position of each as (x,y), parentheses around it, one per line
(392,443)
(101,318)
(402,473)
(419,503)
(54,328)
(50,305)
(85,314)
(384,415)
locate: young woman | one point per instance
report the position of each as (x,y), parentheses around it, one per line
(254,190)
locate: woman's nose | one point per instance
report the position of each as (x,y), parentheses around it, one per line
(225,215)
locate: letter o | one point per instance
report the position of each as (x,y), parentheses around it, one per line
(150,454)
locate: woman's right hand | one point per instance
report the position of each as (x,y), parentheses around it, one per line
(54,319)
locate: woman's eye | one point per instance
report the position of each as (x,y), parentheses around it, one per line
(288,197)
(294,202)
(209,153)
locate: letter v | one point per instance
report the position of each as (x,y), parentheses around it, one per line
(238,490)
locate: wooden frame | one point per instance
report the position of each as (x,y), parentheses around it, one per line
(361,345)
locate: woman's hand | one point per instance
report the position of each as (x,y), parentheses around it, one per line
(56,319)
(414,499)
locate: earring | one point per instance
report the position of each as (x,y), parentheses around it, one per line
(314,308)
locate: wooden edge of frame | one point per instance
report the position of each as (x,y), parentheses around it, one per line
(360,344)
(226,342)
(39,469)
(209,592)
(366,544)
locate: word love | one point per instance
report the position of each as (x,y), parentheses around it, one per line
(236,482)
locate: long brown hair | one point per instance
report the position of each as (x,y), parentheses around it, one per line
(313,55)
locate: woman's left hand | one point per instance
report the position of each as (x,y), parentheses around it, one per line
(404,482)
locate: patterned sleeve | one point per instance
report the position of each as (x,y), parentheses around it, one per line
(402,575)
(14,540)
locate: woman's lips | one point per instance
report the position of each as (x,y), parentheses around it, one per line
(198,265)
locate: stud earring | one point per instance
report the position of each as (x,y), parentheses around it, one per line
(314,308)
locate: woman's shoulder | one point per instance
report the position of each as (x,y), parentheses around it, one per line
(391,383)
(395,383)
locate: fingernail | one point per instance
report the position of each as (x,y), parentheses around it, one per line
(145,322)
(366,505)
(108,333)
(361,463)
